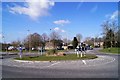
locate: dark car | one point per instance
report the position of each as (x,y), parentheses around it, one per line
(89,47)
(60,48)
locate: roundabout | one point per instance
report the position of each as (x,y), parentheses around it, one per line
(105,66)
(101,60)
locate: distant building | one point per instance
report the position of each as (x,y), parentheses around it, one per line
(49,45)
(70,46)
(98,44)
(64,47)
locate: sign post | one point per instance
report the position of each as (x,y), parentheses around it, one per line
(41,50)
(81,54)
(77,53)
(20,55)
(77,49)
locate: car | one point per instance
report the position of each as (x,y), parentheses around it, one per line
(60,48)
(89,47)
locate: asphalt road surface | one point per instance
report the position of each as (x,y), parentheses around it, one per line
(105,66)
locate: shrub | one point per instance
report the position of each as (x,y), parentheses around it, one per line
(52,51)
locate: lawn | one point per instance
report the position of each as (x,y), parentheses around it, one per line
(111,50)
(17,51)
(58,58)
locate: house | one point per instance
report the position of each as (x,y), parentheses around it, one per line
(98,44)
(49,45)
(70,46)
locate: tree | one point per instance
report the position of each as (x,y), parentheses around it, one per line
(65,41)
(45,38)
(75,42)
(109,32)
(89,41)
(54,37)
(59,43)
(79,37)
(33,41)
(109,39)
(16,43)
(118,38)
(4,46)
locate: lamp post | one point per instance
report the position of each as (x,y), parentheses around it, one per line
(49,38)
(4,43)
(29,41)
(3,37)
(67,40)
(94,42)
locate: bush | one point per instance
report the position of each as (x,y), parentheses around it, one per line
(52,51)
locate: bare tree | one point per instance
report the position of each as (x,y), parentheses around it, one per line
(33,41)
(16,43)
(89,40)
(45,38)
(109,32)
(66,41)
(79,37)
(54,37)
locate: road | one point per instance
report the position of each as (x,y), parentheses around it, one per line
(105,66)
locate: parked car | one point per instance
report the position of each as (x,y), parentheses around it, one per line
(89,47)
(10,48)
(60,48)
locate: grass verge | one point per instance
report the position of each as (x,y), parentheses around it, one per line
(58,58)
(111,50)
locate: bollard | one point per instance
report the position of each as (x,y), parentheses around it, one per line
(84,53)
(20,54)
(77,54)
(81,54)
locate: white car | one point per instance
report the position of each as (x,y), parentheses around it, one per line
(10,47)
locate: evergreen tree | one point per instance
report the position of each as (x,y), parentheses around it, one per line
(75,42)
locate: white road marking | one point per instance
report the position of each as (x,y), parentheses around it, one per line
(53,64)
(84,62)
(101,63)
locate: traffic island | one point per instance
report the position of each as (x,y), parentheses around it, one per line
(57,58)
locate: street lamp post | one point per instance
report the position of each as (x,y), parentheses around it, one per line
(49,38)
(67,40)
(4,43)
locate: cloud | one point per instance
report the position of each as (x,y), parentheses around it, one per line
(61,22)
(79,5)
(94,9)
(62,30)
(114,15)
(1,36)
(57,29)
(107,16)
(34,9)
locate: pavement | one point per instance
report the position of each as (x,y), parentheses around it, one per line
(105,66)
